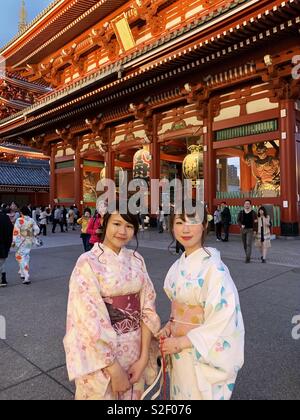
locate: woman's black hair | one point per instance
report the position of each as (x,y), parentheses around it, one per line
(183,215)
(25,211)
(264,210)
(130,218)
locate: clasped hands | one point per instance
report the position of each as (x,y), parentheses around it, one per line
(171,345)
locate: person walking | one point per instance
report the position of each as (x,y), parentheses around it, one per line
(58,219)
(71,218)
(84,222)
(218,223)
(226,220)
(43,221)
(94,228)
(247,220)
(161,220)
(263,237)
(6,236)
(25,232)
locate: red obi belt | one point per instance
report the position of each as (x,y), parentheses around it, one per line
(124,313)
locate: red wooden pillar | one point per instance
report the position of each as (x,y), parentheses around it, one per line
(210,162)
(289,215)
(155,165)
(246,177)
(53,188)
(78,187)
(109,161)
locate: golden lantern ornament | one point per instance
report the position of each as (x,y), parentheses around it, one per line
(193,163)
(141,164)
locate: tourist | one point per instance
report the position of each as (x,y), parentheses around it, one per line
(94,228)
(226,220)
(25,232)
(218,223)
(84,222)
(43,221)
(111,317)
(204,339)
(263,237)
(247,219)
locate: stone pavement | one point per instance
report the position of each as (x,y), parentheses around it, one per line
(32,361)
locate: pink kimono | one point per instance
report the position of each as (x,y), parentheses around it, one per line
(92,341)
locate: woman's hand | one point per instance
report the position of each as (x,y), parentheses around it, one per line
(136,370)
(164,332)
(119,378)
(175,345)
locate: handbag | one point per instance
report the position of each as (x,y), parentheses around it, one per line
(38,242)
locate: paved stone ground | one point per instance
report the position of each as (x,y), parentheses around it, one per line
(32,361)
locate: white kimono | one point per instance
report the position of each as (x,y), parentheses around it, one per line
(209,370)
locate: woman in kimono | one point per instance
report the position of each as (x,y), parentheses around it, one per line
(263,237)
(111,317)
(205,335)
(25,232)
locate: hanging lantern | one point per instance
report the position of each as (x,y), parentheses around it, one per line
(193,163)
(141,164)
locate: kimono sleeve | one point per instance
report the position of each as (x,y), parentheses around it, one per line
(219,342)
(90,342)
(148,307)
(17,233)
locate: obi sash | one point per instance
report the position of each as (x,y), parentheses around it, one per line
(124,313)
(185,318)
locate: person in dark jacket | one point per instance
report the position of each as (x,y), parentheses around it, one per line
(247,220)
(226,221)
(6,236)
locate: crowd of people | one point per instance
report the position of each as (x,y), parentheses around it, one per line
(20,229)
(255,227)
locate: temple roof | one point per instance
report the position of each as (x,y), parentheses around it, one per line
(53,28)
(28,174)
(21,150)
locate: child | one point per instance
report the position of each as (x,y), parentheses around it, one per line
(205,334)
(111,317)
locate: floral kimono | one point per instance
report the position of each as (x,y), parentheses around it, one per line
(109,296)
(206,309)
(25,231)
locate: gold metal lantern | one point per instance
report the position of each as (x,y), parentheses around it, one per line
(141,164)
(193,163)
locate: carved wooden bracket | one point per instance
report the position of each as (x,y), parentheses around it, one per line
(69,139)
(104,38)
(148,10)
(99,132)
(144,113)
(199,95)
